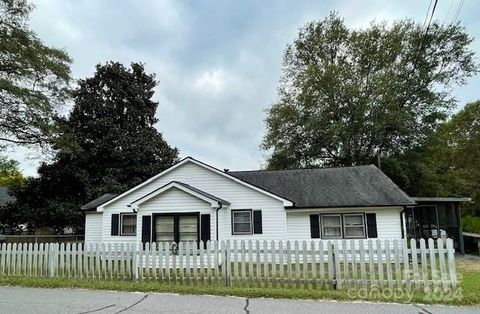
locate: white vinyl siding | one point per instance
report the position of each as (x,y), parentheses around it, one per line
(239,196)
(388,221)
(93,228)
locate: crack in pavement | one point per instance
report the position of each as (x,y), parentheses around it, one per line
(423,309)
(96,310)
(132,305)
(246,306)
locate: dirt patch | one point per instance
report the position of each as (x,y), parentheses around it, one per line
(468,262)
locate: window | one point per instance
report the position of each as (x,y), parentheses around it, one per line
(354,225)
(128,224)
(188,228)
(164,226)
(331,226)
(176,228)
(241,222)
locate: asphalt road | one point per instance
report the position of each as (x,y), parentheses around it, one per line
(36,300)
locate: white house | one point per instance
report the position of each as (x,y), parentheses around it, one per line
(194,201)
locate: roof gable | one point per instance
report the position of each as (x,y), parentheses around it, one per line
(330,187)
(207,197)
(184,161)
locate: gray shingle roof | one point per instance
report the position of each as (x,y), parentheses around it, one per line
(329,187)
(4,196)
(98,201)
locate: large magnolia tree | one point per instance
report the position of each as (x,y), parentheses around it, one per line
(109,144)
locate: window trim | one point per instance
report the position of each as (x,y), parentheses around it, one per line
(322,227)
(364,236)
(342,225)
(175,228)
(233,211)
(121,233)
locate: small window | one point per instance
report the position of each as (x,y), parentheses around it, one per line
(128,224)
(241,222)
(331,226)
(354,225)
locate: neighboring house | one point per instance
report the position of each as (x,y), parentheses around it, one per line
(194,201)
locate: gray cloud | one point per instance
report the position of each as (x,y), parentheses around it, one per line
(218,62)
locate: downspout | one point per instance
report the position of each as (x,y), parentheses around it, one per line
(220,205)
(403,223)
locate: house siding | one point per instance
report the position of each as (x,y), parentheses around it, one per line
(388,221)
(93,228)
(239,196)
(175,201)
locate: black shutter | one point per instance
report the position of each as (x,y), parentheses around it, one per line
(115,224)
(146,229)
(205,229)
(257,222)
(314,227)
(372,225)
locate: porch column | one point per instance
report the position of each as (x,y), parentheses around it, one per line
(460,230)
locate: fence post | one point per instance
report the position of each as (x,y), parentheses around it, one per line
(334,268)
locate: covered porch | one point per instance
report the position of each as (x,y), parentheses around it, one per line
(436,217)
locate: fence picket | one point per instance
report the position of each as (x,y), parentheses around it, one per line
(396,255)
(274,264)
(297,265)
(321,261)
(388,261)
(416,274)
(330,263)
(353,252)
(423,259)
(202,263)
(336,261)
(371,265)
(363,272)
(406,264)
(314,264)
(451,263)
(168,276)
(380,263)
(209,260)
(281,265)
(305,265)
(289,264)
(441,258)
(181,253)
(346,271)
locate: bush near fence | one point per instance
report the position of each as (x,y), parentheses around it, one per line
(308,264)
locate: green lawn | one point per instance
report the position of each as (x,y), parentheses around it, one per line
(469,273)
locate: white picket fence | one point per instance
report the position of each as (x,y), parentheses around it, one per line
(312,264)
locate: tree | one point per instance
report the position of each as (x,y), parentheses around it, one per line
(112,146)
(348,96)
(34,79)
(10,175)
(454,154)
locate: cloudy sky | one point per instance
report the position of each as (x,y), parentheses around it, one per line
(218,62)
